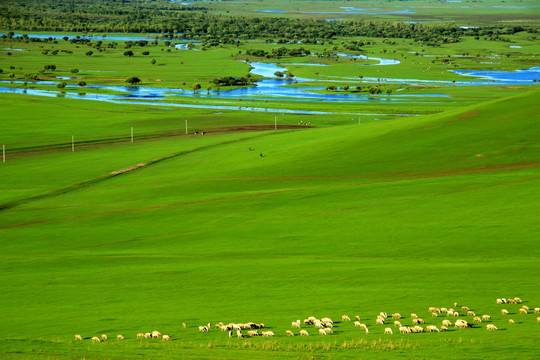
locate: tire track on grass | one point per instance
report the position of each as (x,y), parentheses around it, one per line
(99,179)
(267,193)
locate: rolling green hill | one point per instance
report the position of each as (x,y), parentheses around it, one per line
(393,216)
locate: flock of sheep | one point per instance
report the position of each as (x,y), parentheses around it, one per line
(324,326)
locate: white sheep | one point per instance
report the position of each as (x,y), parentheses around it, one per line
(157,334)
(380,321)
(269,333)
(444,310)
(357,317)
(536,310)
(95,339)
(434,314)
(512,301)
(184,325)
(367,330)
(486,317)
(304,333)
(404,330)
(414,316)
(78,337)
(511,321)
(446,322)
(465,308)
(140,335)
(397,323)
(432,328)
(444,328)
(538,319)
(388,331)
(253,333)
(119,337)
(461,323)
(166,338)
(491,327)
(477,319)
(295,324)
(322,332)
(345,318)
(104,337)
(289,333)
(318,324)
(239,334)
(523,311)
(328,330)
(396,316)
(148,335)
(525,307)
(518,300)
(470,313)
(203,328)
(504,311)
(357,323)
(383,314)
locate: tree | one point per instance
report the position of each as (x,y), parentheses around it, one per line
(388,92)
(74,71)
(89,53)
(50,67)
(146,53)
(81,83)
(346,88)
(196,87)
(133,80)
(361,77)
(61,85)
(128,53)
(279,74)
(153,61)
(208,89)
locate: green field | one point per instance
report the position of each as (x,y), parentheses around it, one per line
(422,195)
(395,216)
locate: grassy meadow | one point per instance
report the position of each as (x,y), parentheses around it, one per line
(249,223)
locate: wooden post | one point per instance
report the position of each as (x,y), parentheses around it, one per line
(131,134)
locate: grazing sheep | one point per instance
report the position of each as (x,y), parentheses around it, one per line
(510,321)
(322,332)
(104,337)
(396,316)
(295,324)
(447,322)
(204,328)
(455,304)
(383,314)
(78,337)
(461,323)
(157,334)
(525,307)
(470,313)
(414,316)
(318,324)
(289,333)
(357,317)
(432,328)
(253,333)
(140,335)
(523,311)
(95,339)
(239,334)
(388,331)
(444,310)
(444,328)
(477,319)
(166,337)
(147,335)
(379,321)
(224,328)
(328,330)
(304,333)
(538,319)
(455,313)
(184,325)
(504,311)
(357,323)
(404,330)
(512,301)
(465,308)
(119,337)
(491,327)
(269,333)
(499,301)
(397,323)
(518,300)
(345,318)
(367,331)
(418,329)
(434,314)
(308,322)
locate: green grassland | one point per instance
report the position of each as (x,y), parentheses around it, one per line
(389,216)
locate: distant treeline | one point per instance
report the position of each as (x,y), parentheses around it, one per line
(173,20)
